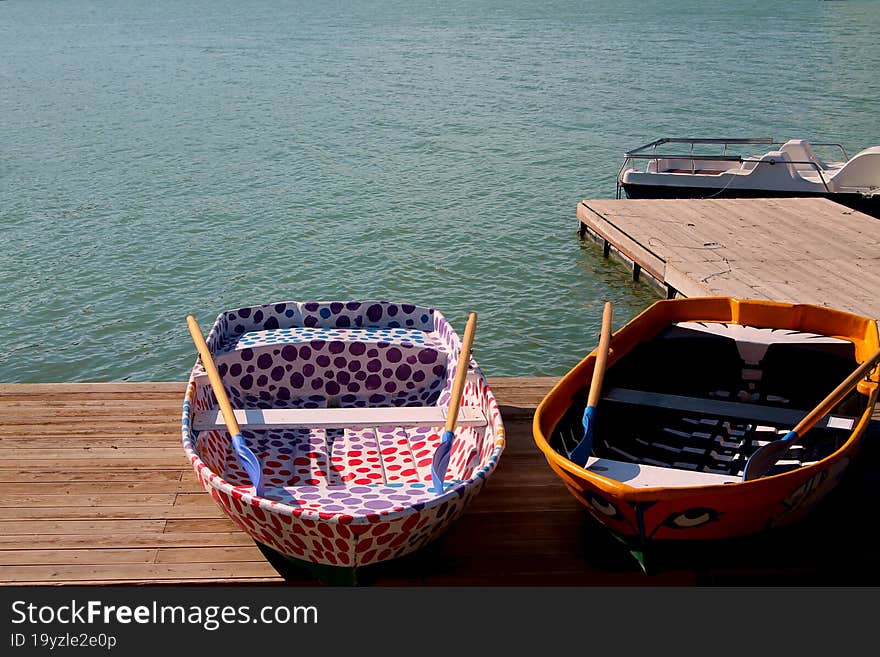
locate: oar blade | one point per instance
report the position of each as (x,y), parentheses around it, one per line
(249,462)
(764,458)
(440,462)
(582,450)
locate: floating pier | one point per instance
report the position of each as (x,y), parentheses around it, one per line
(95,490)
(797,250)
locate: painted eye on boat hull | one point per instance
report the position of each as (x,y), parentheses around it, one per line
(604,507)
(691,518)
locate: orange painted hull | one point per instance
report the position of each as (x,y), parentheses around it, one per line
(716,511)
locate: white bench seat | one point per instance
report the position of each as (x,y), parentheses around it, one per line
(339,418)
(639,475)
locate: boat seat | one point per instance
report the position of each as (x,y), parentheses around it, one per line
(756,413)
(802,154)
(861,172)
(306,334)
(301,366)
(640,475)
(287,418)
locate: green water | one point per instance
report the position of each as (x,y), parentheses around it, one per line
(166,158)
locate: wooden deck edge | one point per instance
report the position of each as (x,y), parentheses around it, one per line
(615,237)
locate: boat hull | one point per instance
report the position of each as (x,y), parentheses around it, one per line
(331,539)
(725,506)
(869,205)
(713,513)
(340,495)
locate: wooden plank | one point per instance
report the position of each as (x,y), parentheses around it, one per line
(45,413)
(91,429)
(130,389)
(172,404)
(22,442)
(199,555)
(113,540)
(52,499)
(102,489)
(87,473)
(94,556)
(26,526)
(145,457)
(130,573)
(110,512)
(186,525)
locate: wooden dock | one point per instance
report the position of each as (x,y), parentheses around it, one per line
(797,250)
(96,490)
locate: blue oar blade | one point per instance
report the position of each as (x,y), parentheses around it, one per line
(249,462)
(441,461)
(581,451)
(765,457)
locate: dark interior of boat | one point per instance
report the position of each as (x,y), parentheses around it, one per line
(689,399)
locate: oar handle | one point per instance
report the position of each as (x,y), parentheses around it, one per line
(601,356)
(213,375)
(836,395)
(582,450)
(464,359)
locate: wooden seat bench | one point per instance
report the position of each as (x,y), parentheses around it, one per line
(756,413)
(339,418)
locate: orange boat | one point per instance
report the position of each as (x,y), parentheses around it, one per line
(713,417)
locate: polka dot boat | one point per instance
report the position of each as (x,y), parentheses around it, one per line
(343,404)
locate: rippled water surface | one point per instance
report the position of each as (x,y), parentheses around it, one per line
(166,158)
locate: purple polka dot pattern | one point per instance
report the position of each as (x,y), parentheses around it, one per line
(330,364)
(341,496)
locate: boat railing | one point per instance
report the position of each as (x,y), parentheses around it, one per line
(649,152)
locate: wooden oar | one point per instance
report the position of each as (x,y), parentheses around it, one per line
(246,457)
(440,461)
(766,457)
(581,451)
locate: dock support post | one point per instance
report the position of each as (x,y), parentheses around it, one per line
(606,248)
(636,271)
